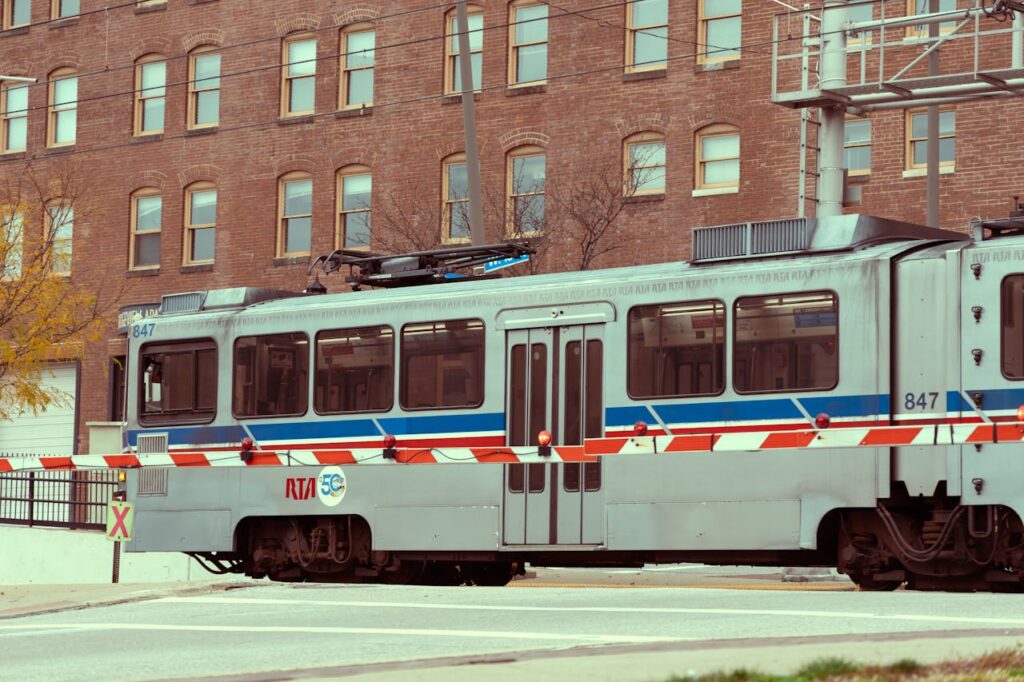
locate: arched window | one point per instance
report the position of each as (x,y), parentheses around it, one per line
(644,159)
(62,112)
(204,87)
(357,60)
(150,94)
(200,243)
(718,157)
(355,202)
(146,221)
(528,42)
(455,199)
(526,172)
(452,62)
(13,116)
(294,214)
(646,35)
(298,75)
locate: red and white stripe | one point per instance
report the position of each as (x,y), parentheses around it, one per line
(836,437)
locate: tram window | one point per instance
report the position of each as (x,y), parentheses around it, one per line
(516,478)
(536,473)
(786,342)
(271,375)
(1013,327)
(178,383)
(592,477)
(442,365)
(571,477)
(676,349)
(355,370)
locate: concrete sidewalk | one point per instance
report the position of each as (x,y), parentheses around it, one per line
(30,600)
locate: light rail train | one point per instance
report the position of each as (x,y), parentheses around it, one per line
(409,427)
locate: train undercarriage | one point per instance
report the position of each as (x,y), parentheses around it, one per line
(920,543)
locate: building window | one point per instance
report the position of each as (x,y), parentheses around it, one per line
(718,157)
(645,164)
(917,138)
(178,382)
(646,35)
(857,146)
(922,7)
(147,210)
(298,84)
(62,125)
(295,214)
(355,370)
(14,116)
(455,211)
(150,92)
(676,349)
(528,43)
(12,239)
(452,62)
(16,13)
(857,12)
(786,342)
(200,224)
(271,376)
(64,8)
(442,365)
(357,66)
(203,89)
(721,30)
(526,178)
(60,225)
(355,192)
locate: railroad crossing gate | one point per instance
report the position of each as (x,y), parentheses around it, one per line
(119,521)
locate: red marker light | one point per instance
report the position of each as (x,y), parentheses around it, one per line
(390,441)
(544,438)
(246,444)
(640,428)
(1020,413)
(822,421)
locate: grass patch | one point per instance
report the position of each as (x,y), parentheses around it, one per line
(997,666)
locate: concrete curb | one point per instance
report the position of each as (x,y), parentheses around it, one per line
(72,604)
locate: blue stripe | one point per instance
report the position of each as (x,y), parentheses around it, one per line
(998,399)
(448,423)
(751,410)
(301,430)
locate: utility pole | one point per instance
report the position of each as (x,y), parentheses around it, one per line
(833,118)
(476,210)
(932,212)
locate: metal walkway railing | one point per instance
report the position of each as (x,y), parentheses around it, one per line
(57,499)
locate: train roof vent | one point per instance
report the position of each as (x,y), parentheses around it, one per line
(744,240)
(189,302)
(806,235)
(242,297)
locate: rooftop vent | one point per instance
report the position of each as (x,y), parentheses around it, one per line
(745,240)
(190,302)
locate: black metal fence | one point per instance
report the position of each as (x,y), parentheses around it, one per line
(59,499)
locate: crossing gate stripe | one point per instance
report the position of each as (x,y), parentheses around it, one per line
(5,465)
(789,439)
(892,436)
(694,443)
(326,457)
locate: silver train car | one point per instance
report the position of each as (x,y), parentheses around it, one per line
(865,320)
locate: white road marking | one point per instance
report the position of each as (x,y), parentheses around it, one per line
(64,628)
(863,615)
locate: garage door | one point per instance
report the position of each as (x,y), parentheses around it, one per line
(51,432)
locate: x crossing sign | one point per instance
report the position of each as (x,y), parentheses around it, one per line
(119,521)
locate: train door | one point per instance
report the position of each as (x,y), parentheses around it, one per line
(555,384)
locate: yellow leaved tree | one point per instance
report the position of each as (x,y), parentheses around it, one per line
(52,306)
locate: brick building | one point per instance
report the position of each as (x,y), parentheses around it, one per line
(210,165)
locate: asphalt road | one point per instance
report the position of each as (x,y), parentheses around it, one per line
(333,631)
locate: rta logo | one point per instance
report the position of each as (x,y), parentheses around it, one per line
(299,488)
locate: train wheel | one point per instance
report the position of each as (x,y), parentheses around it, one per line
(865,583)
(489,573)
(442,573)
